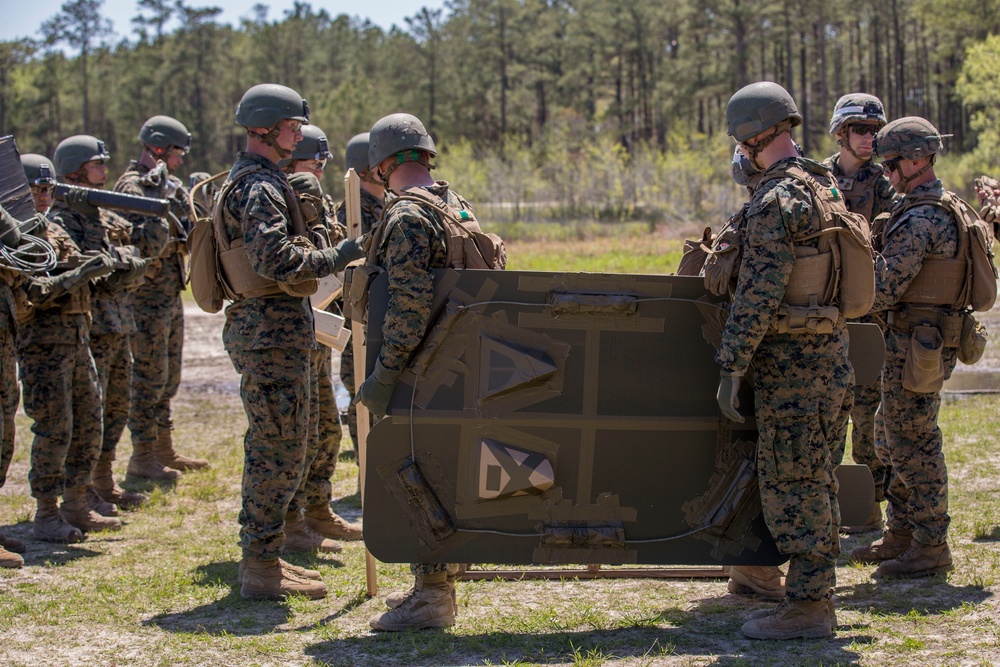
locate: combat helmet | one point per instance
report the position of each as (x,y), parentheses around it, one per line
(38,169)
(758,107)
(73,151)
(910,138)
(313,146)
(266,104)
(356,154)
(857,108)
(398,133)
(165,132)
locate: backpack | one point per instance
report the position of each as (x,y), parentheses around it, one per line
(206,281)
(844,260)
(978,289)
(695,253)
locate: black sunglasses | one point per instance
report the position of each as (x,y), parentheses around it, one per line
(891,165)
(862,130)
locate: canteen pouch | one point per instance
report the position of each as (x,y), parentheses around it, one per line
(972,342)
(923,372)
(805,319)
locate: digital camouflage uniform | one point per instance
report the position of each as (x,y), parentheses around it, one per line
(269,340)
(371,213)
(800,384)
(111,316)
(413,244)
(917,486)
(869,193)
(59,379)
(156,305)
(10,393)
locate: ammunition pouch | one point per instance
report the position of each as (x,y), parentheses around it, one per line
(948,323)
(814,319)
(972,342)
(923,370)
(362,277)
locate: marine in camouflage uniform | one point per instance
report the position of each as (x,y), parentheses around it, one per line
(800,379)
(915,540)
(270,338)
(409,245)
(857,117)
(157,345)
(99,230)
(372,199)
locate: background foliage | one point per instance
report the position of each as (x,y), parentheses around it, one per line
(547,109)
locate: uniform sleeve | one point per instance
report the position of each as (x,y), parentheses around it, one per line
(407,262)
(266,238)
(885,196)
(768,256)
(906,244)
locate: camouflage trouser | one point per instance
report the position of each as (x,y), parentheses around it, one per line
(62,395)
(325,434)
(916,485)
(867,429)
(275,392)
(113,359)
(800,383)
(157,349)
(348,378)
(10,394)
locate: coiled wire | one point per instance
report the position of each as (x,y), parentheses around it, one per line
(33,255)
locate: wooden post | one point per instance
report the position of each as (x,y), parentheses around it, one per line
(352,199)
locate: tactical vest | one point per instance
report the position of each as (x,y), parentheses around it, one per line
(469,247)
(237,275)
(968,279)
(859,197)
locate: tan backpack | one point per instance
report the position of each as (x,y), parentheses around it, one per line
(841,271)
(206,281)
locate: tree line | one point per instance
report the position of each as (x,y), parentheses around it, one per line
(542,101)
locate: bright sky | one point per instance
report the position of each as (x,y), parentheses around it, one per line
(24,20)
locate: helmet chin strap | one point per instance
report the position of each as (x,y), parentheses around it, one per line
(844,142)
(271,139)
(904,182)
(754,149)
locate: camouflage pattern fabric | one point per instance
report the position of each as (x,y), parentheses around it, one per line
(10,393)
(274,387)
(800,385)
(867,192)
(157,345)
(113,358)
(371,213)
(917,483)
(413,245)
(269,341)
(59,381)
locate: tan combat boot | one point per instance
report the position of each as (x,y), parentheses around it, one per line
(50,526)
(143,466)
(766,581)
(393,600)
(10,560)
(99,504)
(301,572)
(327,523)
(892,544)
(793,619)
(299,537)
(108,489)
(166,455)
(917,561)
(761,613)
(267,580)
(75,511)
(430,605)
(874,522)
(12,544)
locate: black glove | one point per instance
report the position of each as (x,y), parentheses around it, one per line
(133,271)
(304,182)
(78,199)
(98,266)
(344,253)
(727,396)
(376,391)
